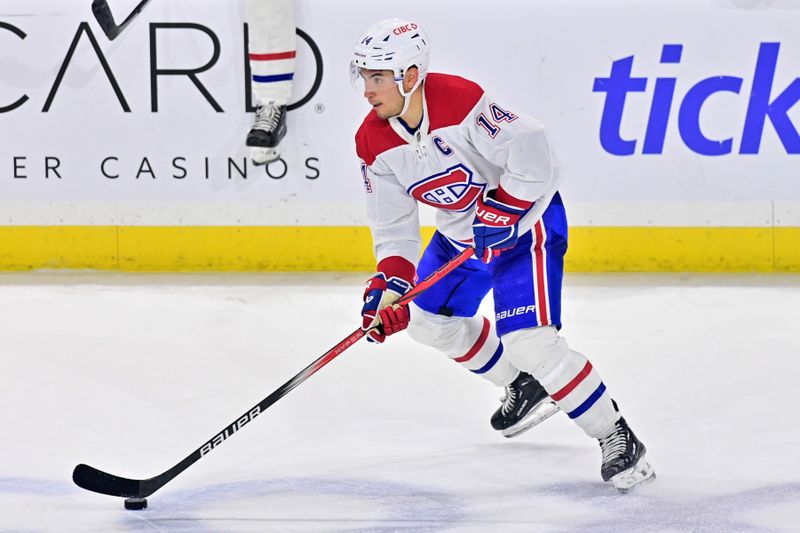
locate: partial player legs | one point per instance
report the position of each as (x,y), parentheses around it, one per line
(445,318)
(527,293)
(472,343)
(272,46)
(566,374)
(578,390)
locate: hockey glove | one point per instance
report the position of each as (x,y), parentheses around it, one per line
(380,292)
(495,226)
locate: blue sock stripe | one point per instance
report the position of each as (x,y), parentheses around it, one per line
(493,361)
(273,78)
(590,401)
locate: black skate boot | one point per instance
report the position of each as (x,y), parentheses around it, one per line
(624,461)
(525,405)
(269,128)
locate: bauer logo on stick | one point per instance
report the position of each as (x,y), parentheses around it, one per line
(230,430)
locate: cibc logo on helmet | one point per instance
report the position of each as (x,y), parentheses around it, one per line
(405,28)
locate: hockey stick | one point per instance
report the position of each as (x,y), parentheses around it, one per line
(106,20)
(95,480)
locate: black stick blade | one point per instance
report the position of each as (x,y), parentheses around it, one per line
(106,20)
(90,478)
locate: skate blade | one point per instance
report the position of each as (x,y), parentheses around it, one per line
(640,474)
(536,416)
(263,156)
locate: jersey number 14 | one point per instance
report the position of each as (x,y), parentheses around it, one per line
(499,115)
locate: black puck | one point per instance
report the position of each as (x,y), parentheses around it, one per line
(135,504)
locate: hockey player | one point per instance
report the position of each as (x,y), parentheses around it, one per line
(273,48)
(440,140)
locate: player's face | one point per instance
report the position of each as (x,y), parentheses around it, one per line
(381,90)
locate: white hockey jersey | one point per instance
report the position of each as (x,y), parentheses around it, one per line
(466,144)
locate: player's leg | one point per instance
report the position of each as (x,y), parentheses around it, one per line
(445,317)
(272,46)
(527,283)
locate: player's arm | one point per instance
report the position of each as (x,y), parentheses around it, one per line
(521,147)
(393,214)
(394,223)
(517,143)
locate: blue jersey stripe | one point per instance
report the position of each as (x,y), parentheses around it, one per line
(488,366)
(274,78)
(590,401)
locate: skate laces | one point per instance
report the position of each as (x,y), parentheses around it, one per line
(509,401)
(614,444)
(267,118)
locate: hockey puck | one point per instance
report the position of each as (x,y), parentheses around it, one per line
(135,504)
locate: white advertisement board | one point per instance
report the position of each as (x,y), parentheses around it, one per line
(662,113)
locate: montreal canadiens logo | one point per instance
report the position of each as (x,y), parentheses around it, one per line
(452,189)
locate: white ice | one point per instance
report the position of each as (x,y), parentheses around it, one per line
(130,373)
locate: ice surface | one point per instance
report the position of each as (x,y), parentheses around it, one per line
(130,373)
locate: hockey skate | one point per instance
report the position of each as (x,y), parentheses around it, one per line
(525,405)
(269,128)
(624,461)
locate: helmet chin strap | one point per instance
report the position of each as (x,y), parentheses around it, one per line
(406,96)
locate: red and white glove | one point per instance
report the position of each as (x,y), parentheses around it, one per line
(394,279)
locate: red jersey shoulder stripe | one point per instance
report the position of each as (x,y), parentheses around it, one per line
(450,99)
(374,137)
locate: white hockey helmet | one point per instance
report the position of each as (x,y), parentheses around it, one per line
(392,44)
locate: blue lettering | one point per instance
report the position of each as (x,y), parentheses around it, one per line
(662,102)
(760,107)
(689,115)
(491,128)
(501,115)
(618,84)
(442,146)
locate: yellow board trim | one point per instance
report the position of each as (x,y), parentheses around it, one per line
(61,247)
(336,248)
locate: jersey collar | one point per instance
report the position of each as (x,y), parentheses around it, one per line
(417,138)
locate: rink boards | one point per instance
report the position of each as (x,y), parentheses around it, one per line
(675,126)
(286,248)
